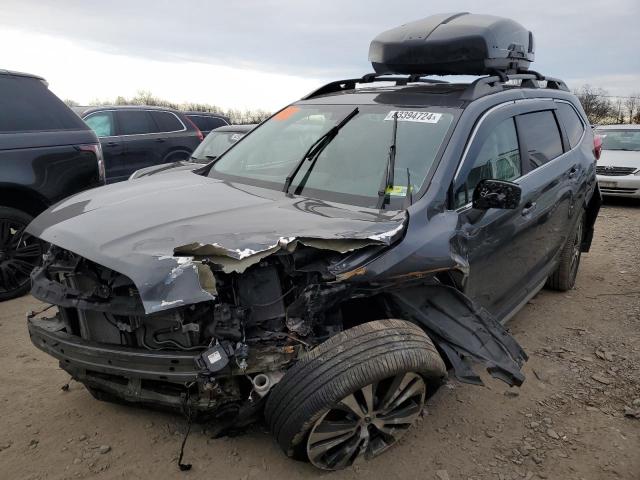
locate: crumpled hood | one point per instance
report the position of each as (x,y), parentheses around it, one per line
(150,229)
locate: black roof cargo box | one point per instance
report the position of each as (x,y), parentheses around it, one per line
(453,44)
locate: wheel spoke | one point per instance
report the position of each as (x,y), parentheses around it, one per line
(367,393)
(20,266)
(349,453)
(330,429)
(410,386)
(32,250)
(406,414)
(317,450)
(352,404)
(17,237)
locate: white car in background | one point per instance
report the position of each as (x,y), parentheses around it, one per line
(618,168)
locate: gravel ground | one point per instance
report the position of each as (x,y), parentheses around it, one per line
(576,417)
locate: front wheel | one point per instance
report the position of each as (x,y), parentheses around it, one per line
(355,395)
(564,277)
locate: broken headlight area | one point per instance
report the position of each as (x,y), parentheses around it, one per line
(226,353)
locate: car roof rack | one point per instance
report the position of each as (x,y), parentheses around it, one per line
(478,88)
(350,84)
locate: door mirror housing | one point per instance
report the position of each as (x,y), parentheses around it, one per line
(490,193)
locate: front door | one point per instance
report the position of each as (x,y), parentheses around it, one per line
(508,249)
(103,123)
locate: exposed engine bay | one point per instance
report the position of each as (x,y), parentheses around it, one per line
(239,345)
(222,357)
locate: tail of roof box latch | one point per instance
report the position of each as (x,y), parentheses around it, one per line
(453,44)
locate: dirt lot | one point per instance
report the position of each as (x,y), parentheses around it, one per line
(567,421)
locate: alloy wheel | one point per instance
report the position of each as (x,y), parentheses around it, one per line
(367,422)
(20,253)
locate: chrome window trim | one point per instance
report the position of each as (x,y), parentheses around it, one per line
(184,127)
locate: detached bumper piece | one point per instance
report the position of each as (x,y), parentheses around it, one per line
(131,375)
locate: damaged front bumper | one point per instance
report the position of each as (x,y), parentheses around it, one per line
(125,373)
(164,379)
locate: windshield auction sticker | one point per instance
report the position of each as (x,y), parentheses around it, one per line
(413,116)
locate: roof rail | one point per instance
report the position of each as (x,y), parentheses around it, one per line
(492,84)
(478,88)
(350,84)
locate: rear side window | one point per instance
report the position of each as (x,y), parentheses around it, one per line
(27,105)
(167,122)
(540,133)
(572,123)
(498,158)
(204,122)
(101,123)
(199,120)
(215,123)
(135,122)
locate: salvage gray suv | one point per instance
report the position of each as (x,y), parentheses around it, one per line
(330,268)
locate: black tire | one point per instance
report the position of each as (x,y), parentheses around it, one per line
(178,156)
(564,277)
(20,253)
(368,354)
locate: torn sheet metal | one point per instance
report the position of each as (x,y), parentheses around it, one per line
(464,332)
(121,227)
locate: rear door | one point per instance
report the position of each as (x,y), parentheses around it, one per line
(173,140)
(141,148)
(103,124)
(552,177)
(508,249)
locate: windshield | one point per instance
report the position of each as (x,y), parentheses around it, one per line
(620,139)
(214,145)
(351,167)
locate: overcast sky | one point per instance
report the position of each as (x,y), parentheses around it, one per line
(267,53)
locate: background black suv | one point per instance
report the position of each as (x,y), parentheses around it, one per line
(46,154)
(134,137)
(207,121)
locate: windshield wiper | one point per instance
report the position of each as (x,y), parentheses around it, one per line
(387,180)
(314,151)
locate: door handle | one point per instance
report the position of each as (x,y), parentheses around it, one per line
(159,140)
(573,172)
(528,208)
(112,144)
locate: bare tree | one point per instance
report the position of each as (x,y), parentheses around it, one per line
(596,103)
(71,103)
(632,105)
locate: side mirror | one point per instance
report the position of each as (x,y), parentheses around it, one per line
(496,194)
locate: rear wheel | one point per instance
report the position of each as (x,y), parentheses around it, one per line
(564,277)
(20,253)
(355,395)
(177,157)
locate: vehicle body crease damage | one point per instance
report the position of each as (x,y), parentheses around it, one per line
(341,252)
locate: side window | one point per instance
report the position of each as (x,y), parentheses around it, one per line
(27,105)
(200,121)
(539,131)
(167,122)
(572,123)
(498,158)
(215,122)
(135,122)
(101,123)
